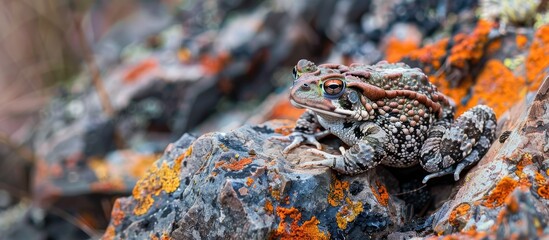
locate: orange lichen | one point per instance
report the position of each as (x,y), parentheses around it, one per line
(142,162)
(431,54)
(139,70)
(214,64)
(285,110)
(470,48)
(543,185)
(286,130)
(381,194)
(179,160)
(524,161)
(500,192)
(493,46)
(454,93)
(497,87)
(268,207)
(291,230)
(459,214)
(275,193)
(521,41)
(117,215)
(512,204)
(348,213)
(537,61)
(397,49)
(184,55)
(249,181)
(337,191)
(543,191)
(235,165)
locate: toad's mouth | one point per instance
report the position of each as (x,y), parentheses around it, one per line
(339,113)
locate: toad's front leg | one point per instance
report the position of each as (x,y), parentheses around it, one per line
(305,131)
(365,154)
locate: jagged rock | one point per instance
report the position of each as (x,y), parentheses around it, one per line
(506,195)
(238,185)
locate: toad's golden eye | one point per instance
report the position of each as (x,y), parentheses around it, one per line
(333,88)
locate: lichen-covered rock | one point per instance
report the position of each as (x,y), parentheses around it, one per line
(506,195)
(238,185)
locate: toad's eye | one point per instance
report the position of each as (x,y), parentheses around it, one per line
(333,88)
(294,73)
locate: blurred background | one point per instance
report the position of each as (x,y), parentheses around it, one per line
(91,92)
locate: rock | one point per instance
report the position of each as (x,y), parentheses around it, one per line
(238,185)
(505,195)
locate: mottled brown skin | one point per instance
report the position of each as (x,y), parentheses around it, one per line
(388,114)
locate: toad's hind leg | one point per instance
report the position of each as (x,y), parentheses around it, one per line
(450,147)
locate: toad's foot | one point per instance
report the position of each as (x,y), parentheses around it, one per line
(357,159)
(299,138)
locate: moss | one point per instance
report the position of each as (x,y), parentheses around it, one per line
(290,229)
(498,195)
(337,191)
(348,213)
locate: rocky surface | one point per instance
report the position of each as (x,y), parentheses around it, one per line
(238,185)
(207,68)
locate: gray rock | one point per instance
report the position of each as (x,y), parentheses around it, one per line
(238,185)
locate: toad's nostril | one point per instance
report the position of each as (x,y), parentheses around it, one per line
(305,87)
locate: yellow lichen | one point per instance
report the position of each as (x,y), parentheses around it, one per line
(155,181)
(169,178)
(290,229)
(337,191)
(348,213)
